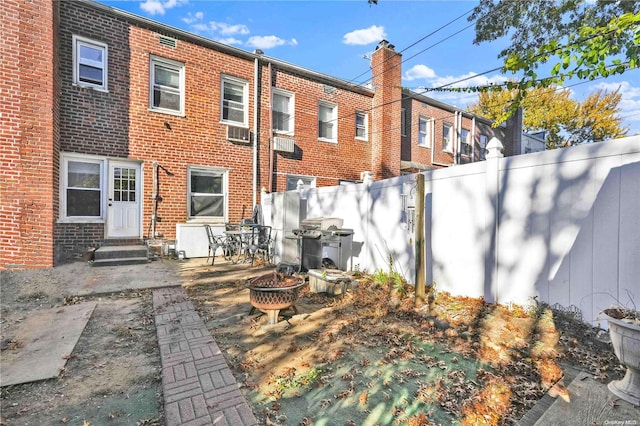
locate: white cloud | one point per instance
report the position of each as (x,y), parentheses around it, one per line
(229,40)
(268,42)
(469,79)
(159,7)
(192,18)
(418,72)
(373,34)
(629,103)
(226,29)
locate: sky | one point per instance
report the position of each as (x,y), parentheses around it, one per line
(337,38)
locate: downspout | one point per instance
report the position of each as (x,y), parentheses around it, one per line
(473,139)
(433,139)
(254,183)
(456,130)
(270,136)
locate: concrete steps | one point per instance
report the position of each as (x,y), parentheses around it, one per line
(121,255)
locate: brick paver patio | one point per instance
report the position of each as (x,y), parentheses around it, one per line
(198,386)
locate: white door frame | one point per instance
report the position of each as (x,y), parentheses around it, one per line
(136,216)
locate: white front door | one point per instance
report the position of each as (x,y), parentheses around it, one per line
(123,205)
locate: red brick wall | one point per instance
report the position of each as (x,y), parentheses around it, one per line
(329,162)
(119,123)
(386,144)
(27,134)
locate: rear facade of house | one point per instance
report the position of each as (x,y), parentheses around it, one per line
(120,129)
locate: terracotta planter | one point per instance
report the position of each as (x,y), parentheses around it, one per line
(625,338)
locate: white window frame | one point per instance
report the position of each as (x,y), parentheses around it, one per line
(225,193)
(403,122)
(227,79)
(77,61)
(483,140)
(449,146)
(175,66)
(308,181)
(427,133)
(64,185)
(466,141)
(333,120)
(291,112)
(364,126)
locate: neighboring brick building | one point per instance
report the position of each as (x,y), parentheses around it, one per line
(118,128)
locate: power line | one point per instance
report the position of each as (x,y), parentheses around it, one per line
(416,42)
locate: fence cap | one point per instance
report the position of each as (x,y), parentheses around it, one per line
(494,148)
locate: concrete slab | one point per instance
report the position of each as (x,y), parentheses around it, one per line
(48,338)
(590,403)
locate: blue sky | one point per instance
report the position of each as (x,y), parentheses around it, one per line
(337,38)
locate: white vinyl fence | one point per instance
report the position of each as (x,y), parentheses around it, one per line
(561,226)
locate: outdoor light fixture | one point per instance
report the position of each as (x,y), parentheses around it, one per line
(167,125)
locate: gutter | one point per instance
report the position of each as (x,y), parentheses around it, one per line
(254,180)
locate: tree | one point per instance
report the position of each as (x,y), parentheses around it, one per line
(566,121)
(583,39)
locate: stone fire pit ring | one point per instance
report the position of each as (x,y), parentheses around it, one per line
(270,293)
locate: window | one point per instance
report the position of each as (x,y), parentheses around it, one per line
(307,182)
(446,137)
(361,126)
(327,124)
(424,136)
(235,108)
(484,139)
(465,142)
(89,63)
(282,111)
(403,122)
(206,193)
(81,188)
(166,89)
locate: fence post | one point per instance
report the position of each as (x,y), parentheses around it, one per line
(419,241)
(494,154)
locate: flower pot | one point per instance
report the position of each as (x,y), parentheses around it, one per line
(625,338)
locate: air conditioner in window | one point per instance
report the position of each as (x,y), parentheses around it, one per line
(238,134)
(283,144)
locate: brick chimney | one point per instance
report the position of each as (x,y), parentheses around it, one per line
(385,115)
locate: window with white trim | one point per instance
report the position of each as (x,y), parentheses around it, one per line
(234,101)
(327,122)
(403,122)
(282,107)
(465,142)
(89,63)
(362,126)
(424,134)
(206,193)
(484,139)
(81,188)
(166,86)
(307,182)
(447,132)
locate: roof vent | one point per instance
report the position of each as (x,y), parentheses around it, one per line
(329,90)
(168,41)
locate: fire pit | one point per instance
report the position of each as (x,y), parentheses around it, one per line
(272,292)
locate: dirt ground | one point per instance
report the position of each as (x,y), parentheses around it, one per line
(113,375)
(369,357)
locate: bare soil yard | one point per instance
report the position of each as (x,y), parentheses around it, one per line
(368,357)
(113,375)
(371,357)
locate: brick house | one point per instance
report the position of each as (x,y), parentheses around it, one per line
(118,128)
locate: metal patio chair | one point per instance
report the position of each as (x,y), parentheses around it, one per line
(215,242)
